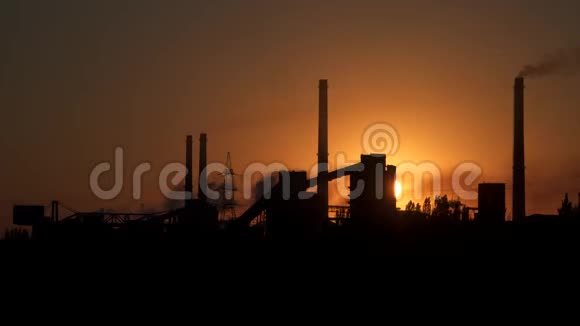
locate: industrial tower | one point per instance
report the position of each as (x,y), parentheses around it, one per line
(519,178)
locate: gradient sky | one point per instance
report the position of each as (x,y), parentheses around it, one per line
(78,78)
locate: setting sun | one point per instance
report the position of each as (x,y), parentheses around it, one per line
(398,189)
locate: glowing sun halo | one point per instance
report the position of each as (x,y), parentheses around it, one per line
(398,189)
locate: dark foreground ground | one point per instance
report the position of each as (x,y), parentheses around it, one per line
(413,266)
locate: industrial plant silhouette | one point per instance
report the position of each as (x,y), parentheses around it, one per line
(287,212)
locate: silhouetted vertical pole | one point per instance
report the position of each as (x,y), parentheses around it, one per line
(189,166)
(519,181)
(391,191)
(202,164)
(323,143)
(54,212)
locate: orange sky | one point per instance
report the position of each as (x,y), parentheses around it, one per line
(78,79)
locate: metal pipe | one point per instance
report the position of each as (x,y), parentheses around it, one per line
(323,142)
(202,165)
(189,167)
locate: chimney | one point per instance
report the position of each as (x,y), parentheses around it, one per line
(202,165)
(519,181)
(323,143)
(189,166)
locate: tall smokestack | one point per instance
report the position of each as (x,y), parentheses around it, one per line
(189,166)
(202,165)
(323,142)
(519,181)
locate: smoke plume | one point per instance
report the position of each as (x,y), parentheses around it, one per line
(560,62)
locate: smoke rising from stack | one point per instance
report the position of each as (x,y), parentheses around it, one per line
(561,62)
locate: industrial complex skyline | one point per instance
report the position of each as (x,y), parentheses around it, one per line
(81,79)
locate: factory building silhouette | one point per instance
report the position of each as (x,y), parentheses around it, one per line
(289,211)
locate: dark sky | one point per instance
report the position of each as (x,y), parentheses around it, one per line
(78,78)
